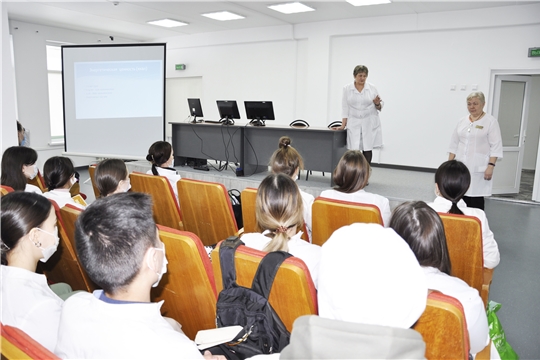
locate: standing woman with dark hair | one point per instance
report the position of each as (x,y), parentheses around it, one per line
(452,180)
(279,212)
(112,177)
(19,165)
(287,160)
(361,105)
(59,176)
(29,235)
(421,227)
(351,176)
(161,155)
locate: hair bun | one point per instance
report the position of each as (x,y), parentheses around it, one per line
(149,158)
(284,141)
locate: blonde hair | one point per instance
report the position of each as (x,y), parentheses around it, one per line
(279,207)
(477,94)
(286,159)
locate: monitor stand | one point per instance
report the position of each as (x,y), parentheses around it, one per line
(226,121)
(257,122)
(194,121)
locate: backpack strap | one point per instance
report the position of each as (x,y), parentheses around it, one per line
(226,259)
(266,272)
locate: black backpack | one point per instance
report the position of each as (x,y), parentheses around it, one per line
(264,332)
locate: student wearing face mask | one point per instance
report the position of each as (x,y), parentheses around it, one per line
(118,246)
(59,176)
(112,177)
(29,235)
(19,165)
(161,155)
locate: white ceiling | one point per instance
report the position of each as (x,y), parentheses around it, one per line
(128,19)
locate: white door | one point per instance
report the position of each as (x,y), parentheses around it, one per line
(511,107)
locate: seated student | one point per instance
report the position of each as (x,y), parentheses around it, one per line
(351,176)
(287,160)
(29,234)
(59,176)
(369,275)
(118,246)
(423,230)
(112,177)
(279,212)
(161,155)
(452,179)
(18,165)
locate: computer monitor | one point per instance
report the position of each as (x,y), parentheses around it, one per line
(259,111)
(228,110)
(195,109)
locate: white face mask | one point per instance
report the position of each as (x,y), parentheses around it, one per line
(126,187)
(34,174)
(163,266)
(50,250)
(73,180)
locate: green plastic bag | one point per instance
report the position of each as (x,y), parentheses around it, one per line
(496,333)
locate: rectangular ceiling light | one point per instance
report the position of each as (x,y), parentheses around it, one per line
(368,2)
(168,23)
(291,8)
(223,16)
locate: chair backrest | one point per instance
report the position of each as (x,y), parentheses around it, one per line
(4,189)
(249,198)
(69,215)
(38,181)
(444,328)
(92,174)
(465,247)
(166,209)
(16,344)
(206,210)
(64,265)
(329,215)
(188,287)
(293,293)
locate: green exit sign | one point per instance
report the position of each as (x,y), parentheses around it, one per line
(180,66)
(534,52)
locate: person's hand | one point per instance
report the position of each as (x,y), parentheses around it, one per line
(488,174)
(377,100)
(208,355)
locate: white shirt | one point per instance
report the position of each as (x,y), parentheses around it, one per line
(364,197)
(308,203)
(473,306)
(310,254)
(33,189)
(491,249)
(363,122)
(93,329)
(474,143)
(171,175)
(30,305)
(62,197)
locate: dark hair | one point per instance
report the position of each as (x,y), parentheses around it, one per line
(12,162)
(21,212)
(352,172)
(453,180)
(422,228)
(108,175)
(57,171)
(286,159)
(158,154)
(111,237)
(360,69)
(279,206)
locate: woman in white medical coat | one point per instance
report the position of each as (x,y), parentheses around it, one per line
(360,114)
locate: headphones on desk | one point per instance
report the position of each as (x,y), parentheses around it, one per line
(299,123)
(335,124)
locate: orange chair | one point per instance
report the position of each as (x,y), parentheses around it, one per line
(206,210)
(166,209)
(465,247)
(329,215)
(4,190)
(444,328)
(91,173)
(16,344)
(293,293)
(39,182)
(249,198)
(69,215)
(64,266)
(188,287)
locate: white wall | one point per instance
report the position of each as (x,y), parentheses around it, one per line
(533,126)
(7,100)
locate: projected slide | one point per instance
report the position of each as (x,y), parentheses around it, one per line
(118,89)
